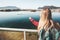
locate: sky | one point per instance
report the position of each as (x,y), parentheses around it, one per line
(29,4)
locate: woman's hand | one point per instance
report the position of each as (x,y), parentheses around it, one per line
(29,17)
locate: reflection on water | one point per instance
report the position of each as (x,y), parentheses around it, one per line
(21,19)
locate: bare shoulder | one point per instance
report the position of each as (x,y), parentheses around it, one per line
(56,23)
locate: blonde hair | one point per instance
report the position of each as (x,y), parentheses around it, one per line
(46,21)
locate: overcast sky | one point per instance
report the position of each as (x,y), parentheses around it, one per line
(29,3)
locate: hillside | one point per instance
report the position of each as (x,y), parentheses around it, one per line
(50,7)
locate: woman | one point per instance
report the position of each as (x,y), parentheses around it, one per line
(47,28)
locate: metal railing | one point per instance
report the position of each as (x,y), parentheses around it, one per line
(15,29)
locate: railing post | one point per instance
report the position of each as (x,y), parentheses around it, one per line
(24,35)
(24,30)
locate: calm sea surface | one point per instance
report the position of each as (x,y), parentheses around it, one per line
(21,19)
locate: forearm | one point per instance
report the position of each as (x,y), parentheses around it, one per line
(34,22)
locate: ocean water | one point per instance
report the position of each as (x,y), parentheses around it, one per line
(21,19)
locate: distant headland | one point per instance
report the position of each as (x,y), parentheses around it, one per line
(14,8)
(53,8)
(50,7)
(9,8)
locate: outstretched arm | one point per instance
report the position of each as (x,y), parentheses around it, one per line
(34,22)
